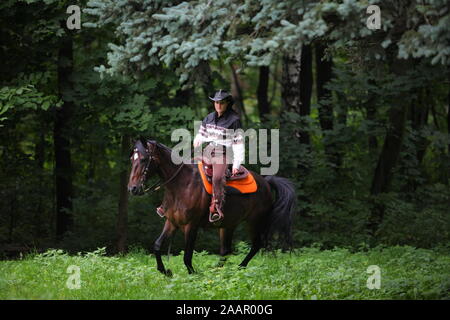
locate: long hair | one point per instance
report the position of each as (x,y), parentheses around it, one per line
(279,227)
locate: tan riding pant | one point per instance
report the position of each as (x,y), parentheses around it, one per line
(220,158)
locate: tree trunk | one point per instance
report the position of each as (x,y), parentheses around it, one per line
(12,213)
(263,87)
(306,84)
(122,216)
(297,86)
(372,116)
(448,114)
(61,132)
(387,161)
(183,96)
(390,152)
(441,156)
(39,231)
(275,81)
(93,151)
(236,92)
(419,118)
(447,162)
(290,89)
(204,77)
(323,76)
(341,123)
(341,117)
(417,114)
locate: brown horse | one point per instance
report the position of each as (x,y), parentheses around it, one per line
(187,204)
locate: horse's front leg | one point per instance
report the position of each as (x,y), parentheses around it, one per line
(190,235)
(226,240)
(167,232)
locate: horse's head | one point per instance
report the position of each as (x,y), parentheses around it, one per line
(144,161)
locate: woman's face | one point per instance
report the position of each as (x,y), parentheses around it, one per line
(220,106)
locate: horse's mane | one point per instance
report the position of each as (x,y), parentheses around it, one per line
(142,142)
(139,144)
(163,146)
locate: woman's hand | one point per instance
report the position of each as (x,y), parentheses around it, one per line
(235,171)
(197,143)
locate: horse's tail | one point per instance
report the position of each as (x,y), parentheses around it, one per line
(279,227)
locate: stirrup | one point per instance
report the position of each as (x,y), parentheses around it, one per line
(216,214)
(160,212)
(214,217)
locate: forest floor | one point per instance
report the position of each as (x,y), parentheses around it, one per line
(399,272)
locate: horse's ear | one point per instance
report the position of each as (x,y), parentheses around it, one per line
(151,145)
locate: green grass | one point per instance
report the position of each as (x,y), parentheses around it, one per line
(406,273)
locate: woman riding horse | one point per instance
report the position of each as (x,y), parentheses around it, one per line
(226,146)
(187,204)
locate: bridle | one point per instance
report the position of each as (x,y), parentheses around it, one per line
(152,159)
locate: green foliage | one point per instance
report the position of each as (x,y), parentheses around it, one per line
(424,220)
(155,32)
(333,200)
(24,99)
(406,273)
(146,50)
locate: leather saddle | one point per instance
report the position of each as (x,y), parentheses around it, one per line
(208,169)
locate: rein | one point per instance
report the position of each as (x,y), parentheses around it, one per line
(159,182)
(156,186)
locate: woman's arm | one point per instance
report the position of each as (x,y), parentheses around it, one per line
(238,146)
(201,135)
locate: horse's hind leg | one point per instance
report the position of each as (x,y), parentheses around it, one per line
(167,232)
(256,245)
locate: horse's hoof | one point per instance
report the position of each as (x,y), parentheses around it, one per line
(169,273)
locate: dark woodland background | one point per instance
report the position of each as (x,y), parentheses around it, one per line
(363,114)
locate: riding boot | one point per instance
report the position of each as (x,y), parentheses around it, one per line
(215,210)
(218,181)
(216,207)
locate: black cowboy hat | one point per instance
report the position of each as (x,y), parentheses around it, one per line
(223,95)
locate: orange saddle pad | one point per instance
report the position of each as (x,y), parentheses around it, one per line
(246,185)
